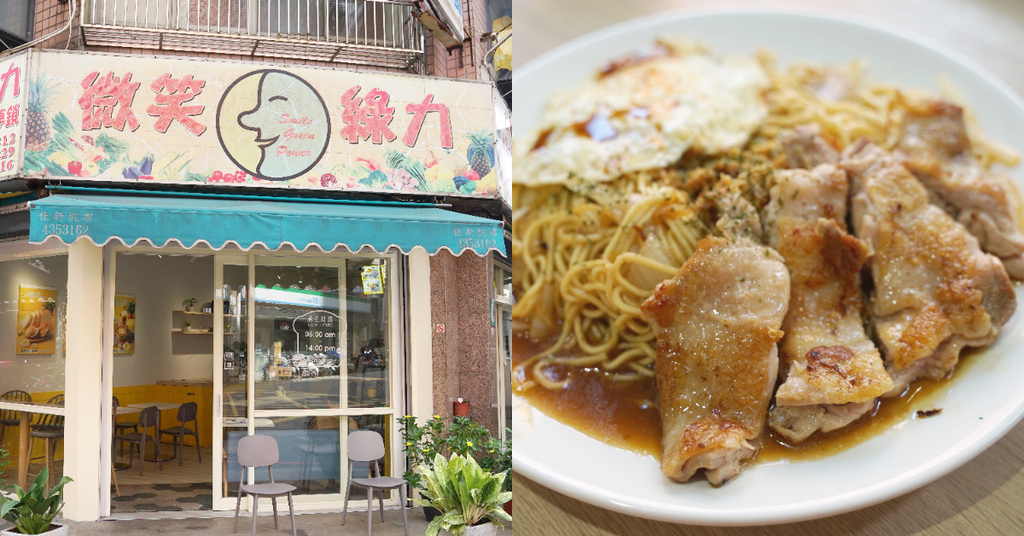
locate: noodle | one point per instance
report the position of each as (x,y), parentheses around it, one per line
(586,256)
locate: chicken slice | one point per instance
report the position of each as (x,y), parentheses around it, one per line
(935,291)
(718,324)
(806,149)
(936,149)
(831,372)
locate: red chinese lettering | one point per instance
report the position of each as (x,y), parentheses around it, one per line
(169,107)
(369,122)
(102,96)
(11,119)
(5,78)
(421,110)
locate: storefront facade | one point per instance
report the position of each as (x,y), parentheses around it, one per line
(302,251)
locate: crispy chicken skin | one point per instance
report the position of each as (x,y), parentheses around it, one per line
(935,291)
(831,372)
(718,324)
(936,149)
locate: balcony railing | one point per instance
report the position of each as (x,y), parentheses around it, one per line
(368,32)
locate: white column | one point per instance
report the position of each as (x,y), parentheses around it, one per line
(83,344)
(421,368)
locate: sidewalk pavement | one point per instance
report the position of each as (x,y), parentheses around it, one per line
(219,523)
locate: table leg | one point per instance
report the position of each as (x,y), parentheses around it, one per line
(23,454)
(159,458)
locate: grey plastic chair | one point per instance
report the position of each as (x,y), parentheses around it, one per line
(186,414)
(368,446)
(147,420)
(261,451)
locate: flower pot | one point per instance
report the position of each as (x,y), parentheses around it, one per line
(487,529)
(56,529)
(429,512)
(460,409)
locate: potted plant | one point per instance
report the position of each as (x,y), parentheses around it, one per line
(497,458)
(468,496)
(187,328)
(423,443)
(460,407)
(189,305)
(34,510)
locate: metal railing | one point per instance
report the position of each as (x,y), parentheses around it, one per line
(372,32)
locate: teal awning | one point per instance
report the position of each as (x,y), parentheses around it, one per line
(190,221)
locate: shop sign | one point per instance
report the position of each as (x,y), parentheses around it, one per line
(14,100)
(129,118)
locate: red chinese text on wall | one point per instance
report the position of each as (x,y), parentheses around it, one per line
(10,115)
(169,107)
(106,102)
(369,118)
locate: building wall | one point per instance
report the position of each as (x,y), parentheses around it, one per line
(463,63)
(464,353)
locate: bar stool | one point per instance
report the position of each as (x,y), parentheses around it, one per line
(50,428)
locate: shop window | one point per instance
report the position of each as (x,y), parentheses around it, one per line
(502,284)
(32,325)
(17,19)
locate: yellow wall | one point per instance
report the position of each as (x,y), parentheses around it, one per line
(201,394)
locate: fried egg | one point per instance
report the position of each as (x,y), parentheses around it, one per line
(644,112)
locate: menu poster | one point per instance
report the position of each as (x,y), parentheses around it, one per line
(124,324)
(37,317)
(371,280)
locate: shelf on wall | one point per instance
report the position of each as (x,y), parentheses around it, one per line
(199,313)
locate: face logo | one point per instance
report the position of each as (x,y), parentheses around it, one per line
(273,125)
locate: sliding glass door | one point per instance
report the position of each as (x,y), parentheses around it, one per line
(307,343)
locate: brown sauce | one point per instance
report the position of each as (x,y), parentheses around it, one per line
(623,414)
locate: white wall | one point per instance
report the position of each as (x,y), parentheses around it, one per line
(159,285)
(34,373)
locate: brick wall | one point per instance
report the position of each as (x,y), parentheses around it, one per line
(464,63)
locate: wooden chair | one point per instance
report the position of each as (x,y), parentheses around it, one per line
(186,414)
(368,446)
(147,420)
(11,417)
(49,428)
(261,451)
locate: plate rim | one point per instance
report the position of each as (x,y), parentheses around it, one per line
(936,468)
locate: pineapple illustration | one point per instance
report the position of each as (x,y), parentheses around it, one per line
(37,125)
(481,152)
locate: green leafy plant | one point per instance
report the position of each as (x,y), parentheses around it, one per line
(33,511)
(464,492)
(461,436)
(189,303)
(496,457)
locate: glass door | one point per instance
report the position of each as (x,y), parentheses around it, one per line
(306,358)
(232,376)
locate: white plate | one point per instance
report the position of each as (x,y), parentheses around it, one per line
(981,404)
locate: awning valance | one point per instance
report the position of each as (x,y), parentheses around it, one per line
(190,221)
